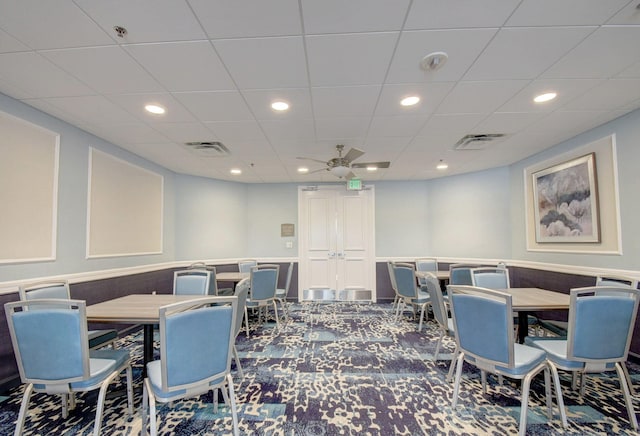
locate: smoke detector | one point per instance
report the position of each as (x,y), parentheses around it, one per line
(434,61)
(477,142)
(208,148)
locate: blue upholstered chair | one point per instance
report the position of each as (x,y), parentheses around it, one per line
(59,289)
(460,274)
(264,282)
(281,293)
(193,282)
(426,265)
(410,294)
(617,281)
(394,286)
(242,291)
(213,284)
(244,266)
(490,277)
(51,345)
(196,345)
(601,322)
(441,315)
(483,325)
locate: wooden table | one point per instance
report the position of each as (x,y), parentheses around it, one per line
(231,276)
(136,309)
(527,300)
(440,274)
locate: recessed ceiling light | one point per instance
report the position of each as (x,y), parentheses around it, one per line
(303,170)
(155,109)
(545,97)
(442,165)
(410,101)
(372,168)
(280,105)
(236,171)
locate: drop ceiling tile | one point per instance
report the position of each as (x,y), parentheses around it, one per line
(384,127)
(348,101)
(380,143)
(632,71)
(479,97)
(108,70)
(462,46)
(183,66)
(260,100)
(248,149)
(145,21)
(354,59)
(280,62)
(92,109)
(237,130)
(566,89)
(594,57)
(134,133)
(38,77)
(431,95)
(327,128)
(289,129)
(43,25)
(564,13)
(524,53)
(215,106)
(9,44)
(563,124)
(630,14)
(437,14)
(610,94)
(185,132)
(135,103)
(507,122)
(338,16)
(249,18)
(447,129)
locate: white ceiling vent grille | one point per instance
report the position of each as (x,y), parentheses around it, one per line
(208,148)
(477,142)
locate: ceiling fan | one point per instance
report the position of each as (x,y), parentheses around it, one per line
(341,166)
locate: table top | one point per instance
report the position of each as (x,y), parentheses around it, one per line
(440,274)
(532,299)
(134,308)
(231,276)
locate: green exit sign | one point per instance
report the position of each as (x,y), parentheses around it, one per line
(354,185)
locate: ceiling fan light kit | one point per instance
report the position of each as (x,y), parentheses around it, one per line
(342,166)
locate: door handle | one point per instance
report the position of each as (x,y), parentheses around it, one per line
(331,254)
(340,254)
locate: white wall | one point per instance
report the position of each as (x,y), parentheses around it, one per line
(72,201)
(627,131)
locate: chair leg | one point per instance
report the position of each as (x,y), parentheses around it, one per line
(24,407)
(628,377)
(627,396)
(559,399)
(232,402)
(547,392)
(145,408)
(524,402)
(483,381)
(130,390)
(452,365)
(435,356)
(100,406)
(246,320)
(275,310)
(237,359)
(456,386)
(421,316)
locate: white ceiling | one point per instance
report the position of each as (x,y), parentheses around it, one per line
(343,66)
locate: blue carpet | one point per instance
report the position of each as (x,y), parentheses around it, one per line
(343,369)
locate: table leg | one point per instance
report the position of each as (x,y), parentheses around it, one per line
(147,354)
(523,326)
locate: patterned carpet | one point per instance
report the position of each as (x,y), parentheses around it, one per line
(342,369)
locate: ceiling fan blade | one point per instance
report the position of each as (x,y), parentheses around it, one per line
(353,154)
(315,160)
(371,164)
(350,176)
(317,171)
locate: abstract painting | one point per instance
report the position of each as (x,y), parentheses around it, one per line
(566,202)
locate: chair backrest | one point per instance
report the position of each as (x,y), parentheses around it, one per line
(213,284)
(51,343)
(601,325)
(196,340)
(437,301)
(287,284)
(392,277)
(617,281)
(483,321)
(264,281)
(244,266)
(426,265)
(490,277)
(58,289)
(192,282)
(241,292)
(461,274)
(406,283)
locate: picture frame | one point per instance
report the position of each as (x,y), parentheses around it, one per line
(565,202)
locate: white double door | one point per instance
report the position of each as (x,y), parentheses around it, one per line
(337,243)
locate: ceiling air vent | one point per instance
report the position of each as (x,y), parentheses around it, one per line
(476,142)
(208,148)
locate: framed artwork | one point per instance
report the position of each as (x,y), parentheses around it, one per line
(566,202)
